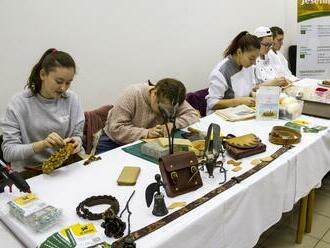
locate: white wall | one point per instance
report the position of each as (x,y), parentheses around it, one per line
(116,43)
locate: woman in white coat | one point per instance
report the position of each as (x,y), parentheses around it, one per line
(232,80)
(276,58)
(265,72)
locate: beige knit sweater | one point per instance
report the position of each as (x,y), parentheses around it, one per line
(132,115)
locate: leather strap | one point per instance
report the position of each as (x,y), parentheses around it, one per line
(84,212)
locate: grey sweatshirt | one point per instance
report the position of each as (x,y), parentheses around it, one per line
(32,118)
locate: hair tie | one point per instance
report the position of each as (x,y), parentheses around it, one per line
(54,50)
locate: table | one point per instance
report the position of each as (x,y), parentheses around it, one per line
(235,218)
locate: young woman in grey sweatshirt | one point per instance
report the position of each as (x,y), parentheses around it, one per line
(44,116)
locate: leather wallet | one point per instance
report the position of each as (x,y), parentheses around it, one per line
(128,176)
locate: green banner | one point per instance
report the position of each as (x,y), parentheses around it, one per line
(309,9)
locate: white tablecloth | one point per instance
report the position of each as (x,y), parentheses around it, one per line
(235,218)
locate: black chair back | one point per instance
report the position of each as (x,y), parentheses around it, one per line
(1,153)
(293,59)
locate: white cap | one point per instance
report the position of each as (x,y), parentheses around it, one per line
(262,32)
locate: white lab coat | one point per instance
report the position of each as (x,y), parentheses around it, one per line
(242,83)
(264,70)
(280,64)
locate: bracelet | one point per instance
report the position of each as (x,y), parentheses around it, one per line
(84,212)
(281,135)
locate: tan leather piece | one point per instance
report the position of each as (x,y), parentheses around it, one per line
(244,142)
(128,175)
(326,82)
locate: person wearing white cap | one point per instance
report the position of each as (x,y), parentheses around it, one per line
(277,59)
(232,80)
(264,71)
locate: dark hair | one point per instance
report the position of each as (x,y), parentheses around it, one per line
(243,41)
(276,31)
(50,60)
(171,89)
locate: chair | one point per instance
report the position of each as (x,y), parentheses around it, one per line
(197,100)
(293,59)
(1,152)
(94,122)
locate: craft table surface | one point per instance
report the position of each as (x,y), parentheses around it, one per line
(235,218)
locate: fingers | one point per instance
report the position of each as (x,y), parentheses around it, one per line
(77,148)
(160,131)
(282,82)
(252,102)
(75,142)
(279,79)
(248,101)
(68,140)
(53,139)
(155,132)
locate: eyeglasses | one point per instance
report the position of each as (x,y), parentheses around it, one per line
(267,45)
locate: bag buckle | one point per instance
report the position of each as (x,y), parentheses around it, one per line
(174,177)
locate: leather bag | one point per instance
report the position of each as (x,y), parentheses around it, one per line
(180,173)
(244,146)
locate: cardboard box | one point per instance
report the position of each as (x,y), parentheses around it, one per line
(318,109)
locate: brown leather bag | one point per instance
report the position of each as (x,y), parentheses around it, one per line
(180,173)
(244,146)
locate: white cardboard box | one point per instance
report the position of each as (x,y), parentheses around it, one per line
(267,102)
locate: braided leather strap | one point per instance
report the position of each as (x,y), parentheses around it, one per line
(84,212)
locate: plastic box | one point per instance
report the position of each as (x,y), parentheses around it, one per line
(291,111)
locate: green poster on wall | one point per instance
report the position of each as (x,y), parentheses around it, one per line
(313,39)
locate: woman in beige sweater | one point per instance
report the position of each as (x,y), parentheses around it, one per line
(136,113)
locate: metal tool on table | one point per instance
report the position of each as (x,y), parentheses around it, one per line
(213,149)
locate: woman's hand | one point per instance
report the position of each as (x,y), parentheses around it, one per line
(75,142)
(281,82)
(52,140)
(155,132)
(248,101)
(159,131)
